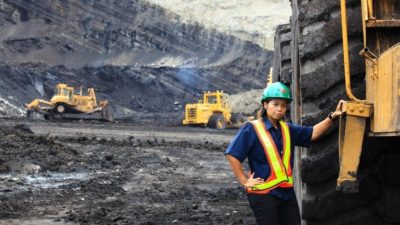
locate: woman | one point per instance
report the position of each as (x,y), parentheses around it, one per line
(268,144)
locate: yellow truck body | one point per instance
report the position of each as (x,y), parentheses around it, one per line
(212,111)
(381,37)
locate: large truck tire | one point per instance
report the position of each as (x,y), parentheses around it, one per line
(238,120)
(217,121)
(313,41)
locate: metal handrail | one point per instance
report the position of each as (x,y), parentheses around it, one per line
(346,60)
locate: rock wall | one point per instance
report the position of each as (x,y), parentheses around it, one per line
(91,40)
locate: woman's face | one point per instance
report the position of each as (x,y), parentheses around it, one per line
(276,108)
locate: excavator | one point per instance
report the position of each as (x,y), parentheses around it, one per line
(66,104)
(381,108)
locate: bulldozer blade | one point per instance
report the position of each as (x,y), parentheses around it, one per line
(351,136)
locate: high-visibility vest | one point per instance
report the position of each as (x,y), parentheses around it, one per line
(281,171)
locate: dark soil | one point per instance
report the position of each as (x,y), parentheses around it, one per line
(78,178)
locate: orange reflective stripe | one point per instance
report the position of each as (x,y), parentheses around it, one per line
(278,171)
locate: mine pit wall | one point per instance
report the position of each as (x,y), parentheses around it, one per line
(121,48)
(313,41)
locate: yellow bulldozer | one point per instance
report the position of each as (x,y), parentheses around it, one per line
(212,111)
(381,108)
(66,104)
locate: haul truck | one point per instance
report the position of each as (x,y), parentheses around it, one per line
(381,37)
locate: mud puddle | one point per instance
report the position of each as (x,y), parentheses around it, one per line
(47,180)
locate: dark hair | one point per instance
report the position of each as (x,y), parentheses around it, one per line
(263,113)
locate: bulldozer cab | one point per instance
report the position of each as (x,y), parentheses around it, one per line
(210,99)
(63,92)
(381,38)
(217,99)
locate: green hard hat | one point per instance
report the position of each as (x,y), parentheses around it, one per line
(276,90)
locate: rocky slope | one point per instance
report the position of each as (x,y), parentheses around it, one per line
(139,56)
(252,20)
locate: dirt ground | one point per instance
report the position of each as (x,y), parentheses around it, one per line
(116,173)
